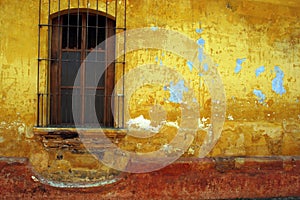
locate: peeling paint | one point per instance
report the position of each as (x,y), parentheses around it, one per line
(277,82)
(202,123)
(140,123)
(259,70)
(154,28)
(190,65)
(199,30)
(200,54)
(238,66)
(260,95)
(230,117)
(176,91)
(172,124)
(205,67)
(191,151)
(160,62)
(201,42)
(21,129)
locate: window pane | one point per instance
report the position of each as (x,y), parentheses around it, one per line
(94,103)
(66,105)
(71,35)
(95,66)
(95,32)
(69,68)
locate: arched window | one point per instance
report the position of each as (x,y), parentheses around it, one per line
(74,36)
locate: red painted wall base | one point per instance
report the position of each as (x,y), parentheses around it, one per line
(209,178)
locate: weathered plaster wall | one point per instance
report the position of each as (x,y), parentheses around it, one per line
(263,109)
(18,60)
(255,45)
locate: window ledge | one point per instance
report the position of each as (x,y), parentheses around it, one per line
(109,132)
(68,138)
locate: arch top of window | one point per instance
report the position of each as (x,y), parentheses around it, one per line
(80,11)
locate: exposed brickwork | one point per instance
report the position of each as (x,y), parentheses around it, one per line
(185,179)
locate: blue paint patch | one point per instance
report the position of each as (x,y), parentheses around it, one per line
(205,67)
(201,42)
(160,62)
(260,95)
(259,70)
(176,91)
(277,82)
(200,74)
(162,54)
(194,100)
(156,59)
(199,30)
(190,65)
(154,28)
(200,54)
(238,66)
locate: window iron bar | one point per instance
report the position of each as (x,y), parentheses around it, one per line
(44,99)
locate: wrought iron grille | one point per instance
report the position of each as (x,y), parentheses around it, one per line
(69,31)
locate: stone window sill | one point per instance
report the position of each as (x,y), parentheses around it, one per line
(69,138)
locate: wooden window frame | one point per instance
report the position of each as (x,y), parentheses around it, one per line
(56,67)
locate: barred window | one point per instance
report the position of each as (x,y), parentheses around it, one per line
(74,36)
(77,58)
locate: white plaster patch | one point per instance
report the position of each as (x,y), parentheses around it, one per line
(172,124)
(167,148)
(140,123)
(191,151)
(21,129)
(34,179)
(230,117)
(202,123)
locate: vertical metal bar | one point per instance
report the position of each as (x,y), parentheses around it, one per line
(83,52)
(57,97)
(118,111)
(59,107)
(87,28)
(115,31)
(42,109)
(77,25)
(116,6)
(38,69)
(68,55)
(49,65)
(97,25)
(105,120)
(124,60)
(68,31)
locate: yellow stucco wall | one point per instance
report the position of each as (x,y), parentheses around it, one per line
(264,32)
